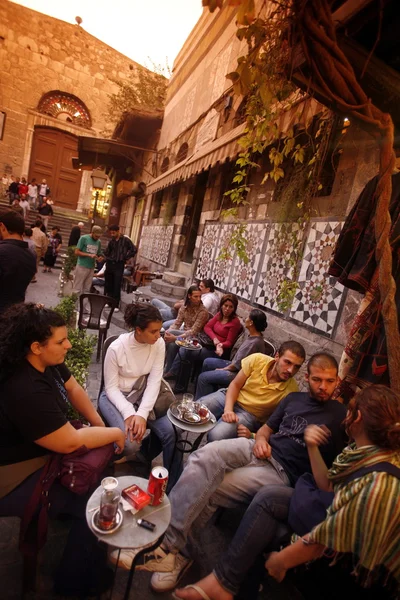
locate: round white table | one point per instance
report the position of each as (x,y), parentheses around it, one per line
(130,535)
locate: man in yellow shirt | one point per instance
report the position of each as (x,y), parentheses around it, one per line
(255,392)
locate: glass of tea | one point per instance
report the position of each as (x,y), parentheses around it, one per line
(109,503)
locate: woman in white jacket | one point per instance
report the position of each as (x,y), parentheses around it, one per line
(133,370)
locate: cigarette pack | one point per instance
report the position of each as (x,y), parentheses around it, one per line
(136,496)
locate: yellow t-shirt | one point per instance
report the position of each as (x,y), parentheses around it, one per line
(257,396)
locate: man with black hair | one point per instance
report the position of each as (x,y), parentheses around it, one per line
(120,249)
(231,473)
(17,263)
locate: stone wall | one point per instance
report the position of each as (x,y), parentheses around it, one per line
(39,54)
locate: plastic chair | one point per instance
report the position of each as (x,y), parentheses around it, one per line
(92,315)
(270,349)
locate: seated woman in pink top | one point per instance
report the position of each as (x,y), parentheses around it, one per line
(223,329)
(222,332)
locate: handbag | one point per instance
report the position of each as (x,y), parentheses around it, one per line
(78,471)
(164,399)
(205,340)
(309,504)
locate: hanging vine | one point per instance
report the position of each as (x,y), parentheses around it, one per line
(305,25)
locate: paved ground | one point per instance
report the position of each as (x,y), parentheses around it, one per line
(213,539)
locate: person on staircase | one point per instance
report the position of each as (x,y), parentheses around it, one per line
(53,249)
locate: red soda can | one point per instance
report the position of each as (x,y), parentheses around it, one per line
(157,485)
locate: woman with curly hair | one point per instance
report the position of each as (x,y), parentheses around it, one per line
(35,386)
(363,521)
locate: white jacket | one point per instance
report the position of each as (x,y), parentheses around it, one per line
(126,361)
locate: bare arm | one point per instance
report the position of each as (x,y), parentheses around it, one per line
(314,436)
(232,394)
(81,401)
(67,439)
(230,368)
(178,304)
(293,555)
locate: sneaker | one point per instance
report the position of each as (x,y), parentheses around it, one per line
(125,558)
(116,309)
(165,581)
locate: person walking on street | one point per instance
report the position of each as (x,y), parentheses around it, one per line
(75,234)
(120,249)
(88,251)
(40,240)
(17,264)
(46,211)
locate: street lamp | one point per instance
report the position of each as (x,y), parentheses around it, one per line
(99,179)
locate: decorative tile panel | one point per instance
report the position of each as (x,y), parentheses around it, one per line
(222,268)
(318,297)
(276,267)
(207,252)
(156,242)
(244,275)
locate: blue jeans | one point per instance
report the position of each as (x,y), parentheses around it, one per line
(224,473)
(216,403)
(263,527)
(211,380)
(166,311)
(164,439)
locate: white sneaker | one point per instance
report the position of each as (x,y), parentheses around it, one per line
(116,309)
(165,581)
(125,558)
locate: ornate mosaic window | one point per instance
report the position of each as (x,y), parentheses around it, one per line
(65,107)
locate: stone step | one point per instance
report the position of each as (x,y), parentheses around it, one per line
(174,278)
(162,288)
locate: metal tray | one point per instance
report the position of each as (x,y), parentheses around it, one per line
(199,421)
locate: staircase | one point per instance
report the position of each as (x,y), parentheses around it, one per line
(169,289)
(63,218)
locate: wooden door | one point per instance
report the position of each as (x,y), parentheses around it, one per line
(51,159)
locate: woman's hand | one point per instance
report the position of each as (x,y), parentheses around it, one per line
(169,337)
(230,417)
(275,567)
(138,428)
(216,341)
(316,435)
(219,350)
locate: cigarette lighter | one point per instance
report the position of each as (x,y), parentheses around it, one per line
(146,524)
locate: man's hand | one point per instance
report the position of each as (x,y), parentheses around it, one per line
(243,431)
(230,417)
(169,337)
(316,435)
(138,428)
(261,448)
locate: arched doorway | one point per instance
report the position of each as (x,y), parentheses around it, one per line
(51,159)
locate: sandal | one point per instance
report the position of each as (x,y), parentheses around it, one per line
(197,589)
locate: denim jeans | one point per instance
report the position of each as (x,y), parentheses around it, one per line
(216,403)
(167,312)
(224,473)
(263,527)
(164,439)
(211,380)
(171,351)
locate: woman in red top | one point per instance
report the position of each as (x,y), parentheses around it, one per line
(224,328)
(23,187)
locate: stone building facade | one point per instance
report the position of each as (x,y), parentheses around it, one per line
(183,229)
(55,82)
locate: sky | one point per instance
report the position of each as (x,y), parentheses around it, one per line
(138,28)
